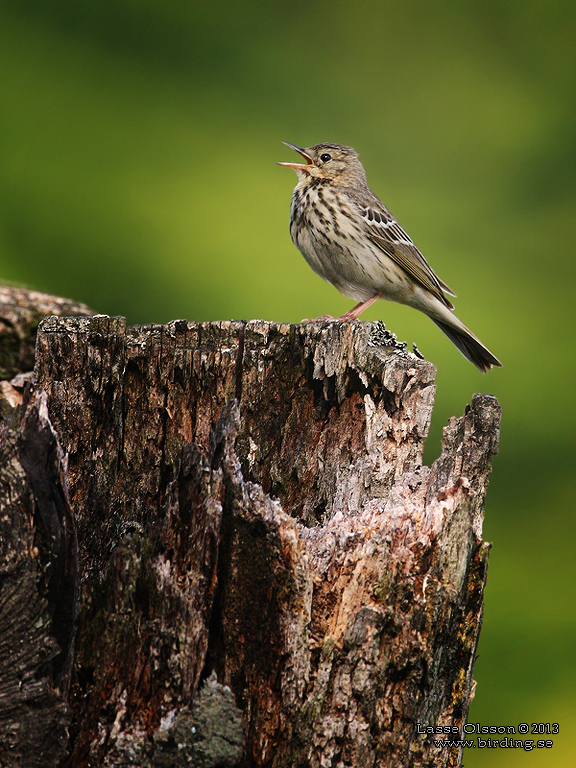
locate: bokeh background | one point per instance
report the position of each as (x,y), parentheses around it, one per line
(137,148)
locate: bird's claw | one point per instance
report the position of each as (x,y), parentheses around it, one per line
(321,319)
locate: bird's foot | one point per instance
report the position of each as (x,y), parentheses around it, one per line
(320,319)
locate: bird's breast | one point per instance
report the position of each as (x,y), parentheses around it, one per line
(327,228)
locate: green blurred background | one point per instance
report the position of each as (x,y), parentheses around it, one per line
(137,148)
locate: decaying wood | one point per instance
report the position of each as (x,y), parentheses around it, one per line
(241,560)
(20,313)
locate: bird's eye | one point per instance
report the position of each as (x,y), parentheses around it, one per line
(325,157)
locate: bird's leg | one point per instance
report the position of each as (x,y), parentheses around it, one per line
(352,314)
(356,311)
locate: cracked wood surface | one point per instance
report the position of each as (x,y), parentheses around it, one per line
(20,314)
(249,501)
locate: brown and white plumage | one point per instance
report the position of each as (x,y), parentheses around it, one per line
(351,239)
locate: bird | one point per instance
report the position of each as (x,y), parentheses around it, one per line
(349,238)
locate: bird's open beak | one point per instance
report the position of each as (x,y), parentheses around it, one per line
(298,166)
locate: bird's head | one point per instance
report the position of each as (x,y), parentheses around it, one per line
(334,163)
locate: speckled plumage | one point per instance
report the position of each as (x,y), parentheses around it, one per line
(349,238)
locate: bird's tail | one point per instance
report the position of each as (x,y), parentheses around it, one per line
(471,347)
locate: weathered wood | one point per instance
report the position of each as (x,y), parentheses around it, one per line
(38,593)
(38,578)
(249,502)
(20,314)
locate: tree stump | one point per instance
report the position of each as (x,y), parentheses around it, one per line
(229,553)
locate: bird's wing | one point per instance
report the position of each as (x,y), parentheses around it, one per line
(385,232)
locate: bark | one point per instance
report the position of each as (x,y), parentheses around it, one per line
(232,555)
(20,313)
